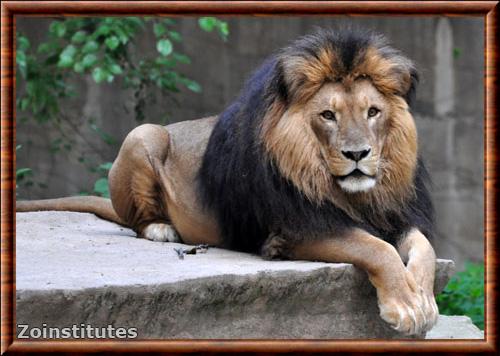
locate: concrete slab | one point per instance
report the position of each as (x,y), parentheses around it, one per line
(74,268)
(455,327)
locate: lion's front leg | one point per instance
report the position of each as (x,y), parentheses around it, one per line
(420,259)
(276,247)
(400,298)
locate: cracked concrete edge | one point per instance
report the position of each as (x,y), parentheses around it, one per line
(265,305)
(323,303)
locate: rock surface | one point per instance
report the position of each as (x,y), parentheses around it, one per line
(455,327)
(74,268)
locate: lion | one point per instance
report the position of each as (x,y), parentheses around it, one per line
(317,159)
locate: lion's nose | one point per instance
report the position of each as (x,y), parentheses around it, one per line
(356,155)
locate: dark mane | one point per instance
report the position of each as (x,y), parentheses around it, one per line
(250,196)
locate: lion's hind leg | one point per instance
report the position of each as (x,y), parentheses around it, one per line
(137,183)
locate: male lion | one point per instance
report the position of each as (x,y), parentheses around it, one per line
(315,160)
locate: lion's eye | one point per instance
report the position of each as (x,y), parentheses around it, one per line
(328,115)
(373,111)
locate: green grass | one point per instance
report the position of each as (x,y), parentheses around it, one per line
(464,294)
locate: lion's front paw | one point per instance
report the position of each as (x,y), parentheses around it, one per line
(275,247)
(408,309)
(431,310)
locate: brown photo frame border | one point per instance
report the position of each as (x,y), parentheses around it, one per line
(10,9)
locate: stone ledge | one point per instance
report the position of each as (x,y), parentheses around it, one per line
(74,268)
(455,327)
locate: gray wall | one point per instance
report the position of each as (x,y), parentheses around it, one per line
(449,109)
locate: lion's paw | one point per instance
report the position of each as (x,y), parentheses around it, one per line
(161,232)
(408,309)
(275,247)
(431,310)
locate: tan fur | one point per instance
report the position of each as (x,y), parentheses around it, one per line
(291,144)
(152,182)
(305,76)
(99,206)
(384,72)
(153,179)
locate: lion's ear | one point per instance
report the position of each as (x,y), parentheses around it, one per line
(411,91)
(290,75)
(303,76)
(405,75)
(279,83)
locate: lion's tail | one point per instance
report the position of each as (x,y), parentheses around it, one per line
(101,207)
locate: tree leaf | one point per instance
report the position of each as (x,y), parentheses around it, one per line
(168,22)
(21,172)
(102,30)
(105,166)
(192,85)
(58,28)
(115,69)
(207,23)
(159,29)
(24,103)
(101,187)
(79,37)
(90,46)
(89,60)
(22,43)
(164,46)
(182,58)
(99,74)
(224,29)
(21,63)
(78,67)
(66,57)
(47,47)
(112,42)
(175,36)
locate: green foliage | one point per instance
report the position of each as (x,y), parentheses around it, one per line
(106,48)
(464,294)
(102,47)
(101,187)
(21,173)
(211,23)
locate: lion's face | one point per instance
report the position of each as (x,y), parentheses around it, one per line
(339,127)
(348,119)
(348,135)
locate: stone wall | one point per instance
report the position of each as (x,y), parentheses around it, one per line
(449,109)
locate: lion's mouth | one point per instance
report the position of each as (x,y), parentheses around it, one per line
(356,181)
(356,173)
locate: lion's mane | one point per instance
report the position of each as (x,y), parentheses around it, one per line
(257,182)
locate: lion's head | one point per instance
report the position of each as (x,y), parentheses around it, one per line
(343,126)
